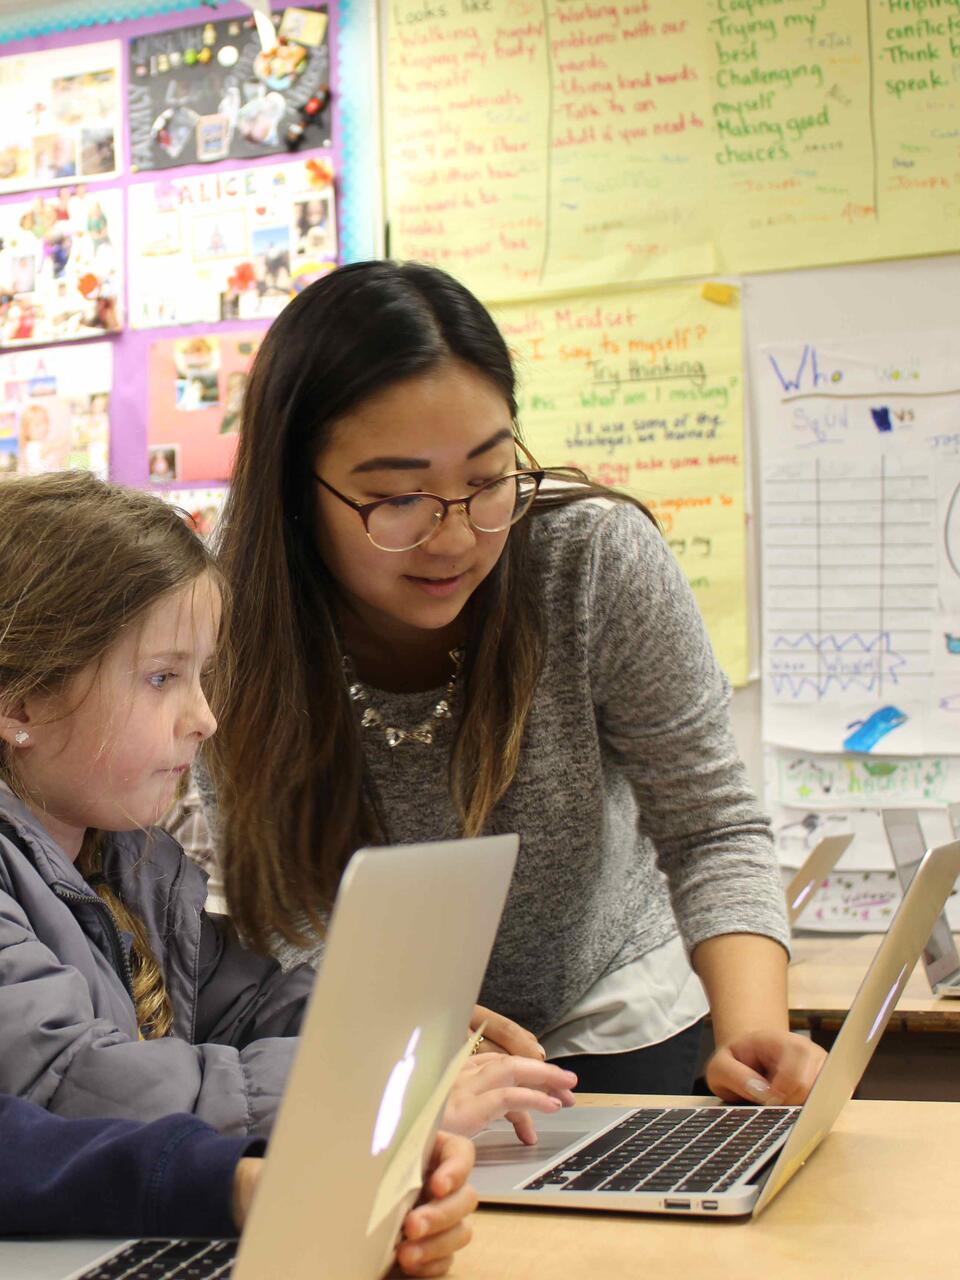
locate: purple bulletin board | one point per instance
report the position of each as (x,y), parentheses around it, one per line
(128,407)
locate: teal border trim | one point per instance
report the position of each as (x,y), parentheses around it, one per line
(358,128)
(82,13)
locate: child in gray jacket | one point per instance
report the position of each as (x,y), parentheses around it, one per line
(119,995)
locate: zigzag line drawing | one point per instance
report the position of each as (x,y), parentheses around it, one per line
(840,668)
(831,641)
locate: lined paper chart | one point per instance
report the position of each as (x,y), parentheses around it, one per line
(861,546)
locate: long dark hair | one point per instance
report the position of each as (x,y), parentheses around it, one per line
(288,759)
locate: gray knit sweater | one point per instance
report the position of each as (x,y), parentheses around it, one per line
(635,815)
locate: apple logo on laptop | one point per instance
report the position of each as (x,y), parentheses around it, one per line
(391,1104)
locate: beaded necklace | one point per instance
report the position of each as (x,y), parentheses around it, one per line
(371,718)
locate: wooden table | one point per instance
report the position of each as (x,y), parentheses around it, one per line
(877,1200)
(919,1055)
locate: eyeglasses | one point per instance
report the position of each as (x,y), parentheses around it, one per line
(408,520)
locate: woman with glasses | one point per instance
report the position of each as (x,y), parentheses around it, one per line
(436,636)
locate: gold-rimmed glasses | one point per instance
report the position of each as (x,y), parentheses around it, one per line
(408,520)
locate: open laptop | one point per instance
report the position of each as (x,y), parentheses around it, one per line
(408,943)
(940,957)
(713,1161)
(817,865)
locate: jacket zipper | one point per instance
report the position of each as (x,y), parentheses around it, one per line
(120,962)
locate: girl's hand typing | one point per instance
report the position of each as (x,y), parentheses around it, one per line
(491,1085)
(435,1229)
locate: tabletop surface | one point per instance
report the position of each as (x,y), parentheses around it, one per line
(877,1199)
(827,969)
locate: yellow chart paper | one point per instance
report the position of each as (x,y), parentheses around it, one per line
(644,391)
(554,145)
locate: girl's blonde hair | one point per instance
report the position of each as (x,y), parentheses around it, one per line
(82,562)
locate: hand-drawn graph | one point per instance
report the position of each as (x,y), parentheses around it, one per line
(850,578)
(861,544)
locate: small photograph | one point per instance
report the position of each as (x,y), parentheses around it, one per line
(45,436)
(163,463)
(97,151)
(220,235)
(54,156)
(202,391)
(213,137)
(90,433)
(81,98)
(197,356)
(258,120)
(15,162)
(233,401)
(316,227)
(23,274)
(9,443)
(271,259)
(9,449)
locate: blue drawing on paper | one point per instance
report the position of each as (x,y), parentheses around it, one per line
(881,419)
(953,642)
(814,665)
(867,733)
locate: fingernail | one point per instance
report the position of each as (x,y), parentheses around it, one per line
(555,1103)
(414,1254)
(542,1051)
(759,1088)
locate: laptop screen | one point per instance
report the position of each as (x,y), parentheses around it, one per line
(908,846)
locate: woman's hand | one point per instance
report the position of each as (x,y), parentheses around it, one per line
(772,1067)
(435,1229)
(491,1085)
(503,1035)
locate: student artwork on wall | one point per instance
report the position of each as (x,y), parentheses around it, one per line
(61,259)
(196,386)
(210,92)
(231,245)
(861,578)
(61,115)
(54,409)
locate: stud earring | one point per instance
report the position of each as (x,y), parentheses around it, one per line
(21,737)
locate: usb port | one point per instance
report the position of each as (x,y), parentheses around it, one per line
(708,1204)
(676,1204)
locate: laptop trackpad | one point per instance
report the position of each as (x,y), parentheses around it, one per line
(501,1146)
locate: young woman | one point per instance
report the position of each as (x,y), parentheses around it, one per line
(119,995)
(429,644)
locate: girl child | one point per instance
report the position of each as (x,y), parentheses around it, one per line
(428,644)
(119,995)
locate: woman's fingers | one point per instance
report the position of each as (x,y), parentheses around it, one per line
(504,1035)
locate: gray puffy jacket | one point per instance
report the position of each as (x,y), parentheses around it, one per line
(68,1030)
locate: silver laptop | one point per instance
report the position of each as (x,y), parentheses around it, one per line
(713,1161)
(817,865)
(406,950)
(940,957)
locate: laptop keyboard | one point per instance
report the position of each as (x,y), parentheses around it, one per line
(672,1149)
(168,1260)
